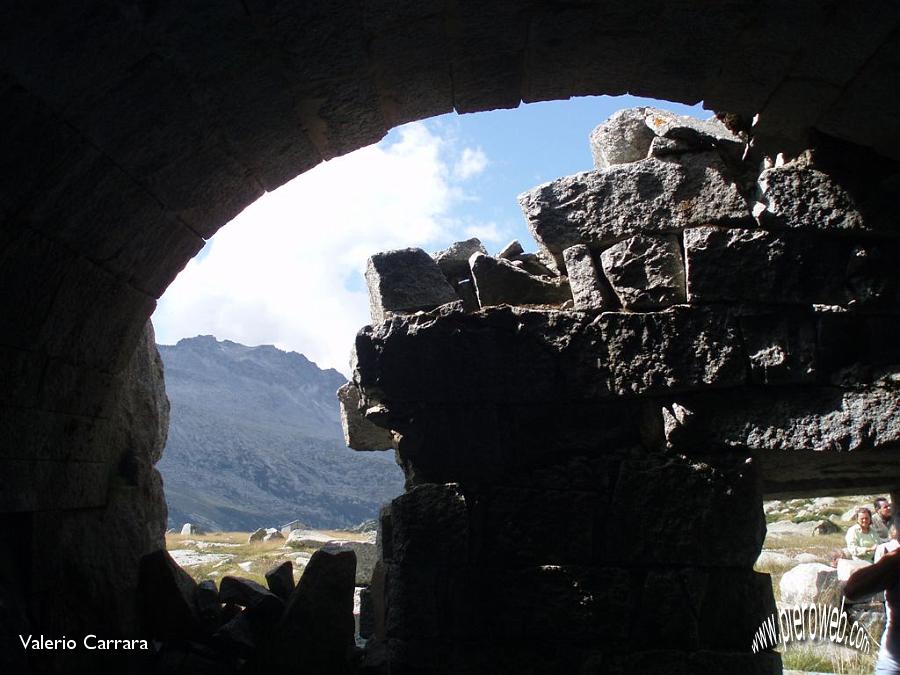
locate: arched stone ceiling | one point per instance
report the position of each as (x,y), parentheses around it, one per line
(132,131)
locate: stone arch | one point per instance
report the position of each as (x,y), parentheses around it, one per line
(131,132)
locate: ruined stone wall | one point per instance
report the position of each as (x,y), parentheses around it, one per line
(587,432)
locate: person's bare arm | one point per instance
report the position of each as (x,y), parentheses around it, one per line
(878,577)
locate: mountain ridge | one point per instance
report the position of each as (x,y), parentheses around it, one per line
(255,440)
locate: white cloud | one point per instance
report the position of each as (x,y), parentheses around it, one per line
(286,271)
(471,162)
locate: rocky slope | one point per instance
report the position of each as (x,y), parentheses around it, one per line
(255,440)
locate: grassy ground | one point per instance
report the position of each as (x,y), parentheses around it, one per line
(809,656)
(261,555)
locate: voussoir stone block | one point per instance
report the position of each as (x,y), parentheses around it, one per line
(646,272)
(598,208)
(359,432)
(404,281)
(500,282)
(588,290)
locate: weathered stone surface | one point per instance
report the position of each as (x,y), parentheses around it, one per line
(624,137)
(805,583)
(366,557)
(534,264)
(454,260)
(845,567)
(770,561)
(280,580)
(318,619)
(167,596)
(287,528)
(679,348)
(688,498)
(799,196)
(588,291)
(647,197)
(271,534)
(862,344)
(696,134)
(499,282)
(533,526)
(781,348)
(257,535)
(209,606)
(308,538)
(247,593)
(693,608)
(465,289)
(787,268)
(511,251)
(237,637)
(360,433)
(809,528)
(406,280)
(515,356)
(798,419)
(429,526)
(646,272)
(187,528)
(666,147)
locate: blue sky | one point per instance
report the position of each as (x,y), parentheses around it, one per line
(288,270)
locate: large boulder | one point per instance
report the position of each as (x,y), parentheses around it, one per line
(809,528)
(808,583)
(770,561)
(405,281)
(647,197)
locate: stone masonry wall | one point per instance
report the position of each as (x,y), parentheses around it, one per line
(587,432)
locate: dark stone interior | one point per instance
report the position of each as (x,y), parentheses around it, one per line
(133,131)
